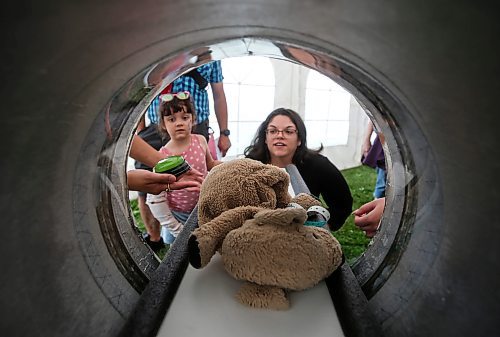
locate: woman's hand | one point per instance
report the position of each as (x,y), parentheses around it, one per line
(155,183)
(149,182)
(368,216)
(365,148)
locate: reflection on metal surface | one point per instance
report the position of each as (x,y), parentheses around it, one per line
(167,70)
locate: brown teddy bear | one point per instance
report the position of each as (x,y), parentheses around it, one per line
(246,213)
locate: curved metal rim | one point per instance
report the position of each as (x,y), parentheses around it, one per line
(377,98)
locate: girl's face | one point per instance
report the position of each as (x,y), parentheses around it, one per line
(179,124)
(282,139)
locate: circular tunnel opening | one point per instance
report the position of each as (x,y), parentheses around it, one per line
(383,108)
(72,94)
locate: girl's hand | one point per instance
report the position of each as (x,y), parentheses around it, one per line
(191,180)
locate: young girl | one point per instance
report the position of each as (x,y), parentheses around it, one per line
(177,114)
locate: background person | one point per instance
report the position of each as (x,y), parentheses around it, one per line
(281,140)
(373,156)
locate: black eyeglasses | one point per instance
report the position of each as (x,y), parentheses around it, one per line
(288,132)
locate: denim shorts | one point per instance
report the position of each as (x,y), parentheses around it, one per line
(180,216)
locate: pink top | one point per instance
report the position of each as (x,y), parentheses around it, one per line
(182,200)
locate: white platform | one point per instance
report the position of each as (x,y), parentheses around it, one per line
(205,306)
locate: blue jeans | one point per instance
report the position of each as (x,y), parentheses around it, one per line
(379,191)
(167,236)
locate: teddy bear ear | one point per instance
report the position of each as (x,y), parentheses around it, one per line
(279,180)
(306,200)
(281,217)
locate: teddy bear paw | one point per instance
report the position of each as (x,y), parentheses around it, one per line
(194,252)
(263,297)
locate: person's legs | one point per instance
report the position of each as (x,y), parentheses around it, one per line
(152,225)
(159,208)
(167,236)
(379,191)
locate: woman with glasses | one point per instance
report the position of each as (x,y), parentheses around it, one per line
(281,140)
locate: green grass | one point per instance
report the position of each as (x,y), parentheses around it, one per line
(137,216)
(361,181)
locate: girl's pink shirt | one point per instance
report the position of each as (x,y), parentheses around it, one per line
(182,200)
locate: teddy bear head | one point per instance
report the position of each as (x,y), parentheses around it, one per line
(242,182)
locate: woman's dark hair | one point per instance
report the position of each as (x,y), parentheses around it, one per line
(171,107)
(258,148)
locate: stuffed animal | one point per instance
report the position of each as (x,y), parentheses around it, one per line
(246,213)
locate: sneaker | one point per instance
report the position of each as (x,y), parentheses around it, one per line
(156,246)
